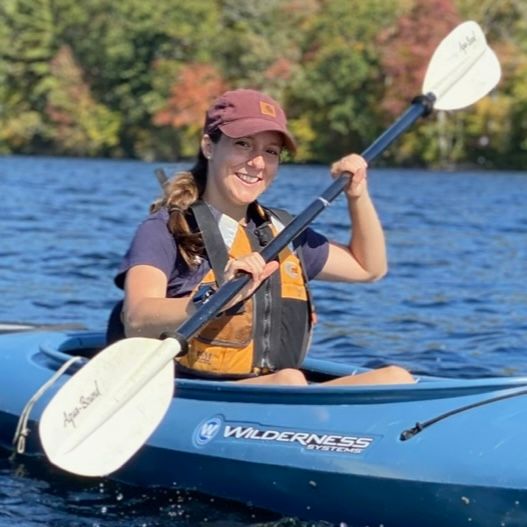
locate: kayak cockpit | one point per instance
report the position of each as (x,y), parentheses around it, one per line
(55,348)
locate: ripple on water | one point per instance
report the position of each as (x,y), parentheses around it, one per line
(33,494)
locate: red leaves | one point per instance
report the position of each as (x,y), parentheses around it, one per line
(407,48)
(190,96)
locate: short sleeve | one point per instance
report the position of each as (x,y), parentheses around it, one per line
(152,244)
(315,251)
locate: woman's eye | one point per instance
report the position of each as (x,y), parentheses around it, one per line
(274,152)
(243,143)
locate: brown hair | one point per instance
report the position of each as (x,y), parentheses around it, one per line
(179,194)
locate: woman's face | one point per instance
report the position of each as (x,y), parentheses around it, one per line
(240,169)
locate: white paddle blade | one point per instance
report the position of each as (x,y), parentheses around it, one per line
(105,412)
(463,69)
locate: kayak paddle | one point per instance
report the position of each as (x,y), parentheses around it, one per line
(105,412)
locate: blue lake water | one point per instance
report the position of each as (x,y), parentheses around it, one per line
(454,302)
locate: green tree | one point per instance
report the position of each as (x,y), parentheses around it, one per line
(81,126)
(258,44)
(27,35)
(132,78)
(497,131)
(338,88)
(133,52)
(406,49)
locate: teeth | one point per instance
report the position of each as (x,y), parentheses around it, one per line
(248,179)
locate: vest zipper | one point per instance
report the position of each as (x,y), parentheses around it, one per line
(266,337)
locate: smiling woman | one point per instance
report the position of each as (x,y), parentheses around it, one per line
(209,226)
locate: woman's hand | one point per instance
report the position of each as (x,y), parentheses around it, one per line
(356,165)
(254,265)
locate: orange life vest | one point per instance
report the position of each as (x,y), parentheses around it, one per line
(269,331)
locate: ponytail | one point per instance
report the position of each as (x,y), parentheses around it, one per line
(180,193)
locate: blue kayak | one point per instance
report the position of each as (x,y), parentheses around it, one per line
(442,452)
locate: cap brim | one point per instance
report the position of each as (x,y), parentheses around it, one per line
(242,128)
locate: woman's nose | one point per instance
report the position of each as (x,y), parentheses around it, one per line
(257,160)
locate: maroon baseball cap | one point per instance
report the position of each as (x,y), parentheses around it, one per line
(243,112)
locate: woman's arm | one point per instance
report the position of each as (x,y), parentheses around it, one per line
(147,312)
(364,258)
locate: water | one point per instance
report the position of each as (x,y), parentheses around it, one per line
(454,302)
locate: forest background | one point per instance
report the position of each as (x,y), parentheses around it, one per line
(132,78)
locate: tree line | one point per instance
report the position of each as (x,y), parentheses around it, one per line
(132,78)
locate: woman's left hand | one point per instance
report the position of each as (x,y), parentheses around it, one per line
(356,165)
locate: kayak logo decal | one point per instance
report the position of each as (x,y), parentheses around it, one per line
(345,444)
(208,430)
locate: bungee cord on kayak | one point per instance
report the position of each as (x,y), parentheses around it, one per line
(420,426)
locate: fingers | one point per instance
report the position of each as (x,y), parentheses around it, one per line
(269,269)
(357,166)
(353,163)
(252,264)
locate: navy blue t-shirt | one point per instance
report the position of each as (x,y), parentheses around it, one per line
(154,245)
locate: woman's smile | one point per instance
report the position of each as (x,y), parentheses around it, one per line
(247,178)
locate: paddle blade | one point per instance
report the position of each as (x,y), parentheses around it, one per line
(463,68)
(105,412)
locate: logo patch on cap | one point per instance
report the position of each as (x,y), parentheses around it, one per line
(267,109)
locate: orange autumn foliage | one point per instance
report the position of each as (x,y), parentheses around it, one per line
(407,47)
(190,96)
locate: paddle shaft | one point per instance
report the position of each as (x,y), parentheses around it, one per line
(421,105)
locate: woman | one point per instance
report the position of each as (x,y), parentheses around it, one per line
(209,226)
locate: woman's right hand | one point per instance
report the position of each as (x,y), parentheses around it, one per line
(254,265)
(357,166)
